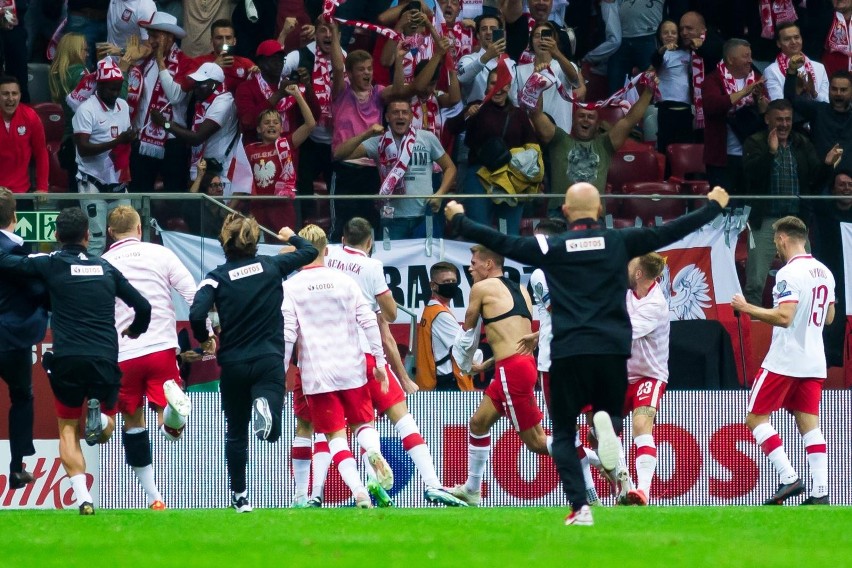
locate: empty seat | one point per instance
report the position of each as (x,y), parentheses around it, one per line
(650,210)
(53,119)
(38,82)
(629,167)
(685,159)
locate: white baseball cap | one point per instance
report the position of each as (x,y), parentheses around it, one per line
(208,71)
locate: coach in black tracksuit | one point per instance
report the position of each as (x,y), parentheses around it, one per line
(82,289)
(23,322)
(247,293)
(586,270)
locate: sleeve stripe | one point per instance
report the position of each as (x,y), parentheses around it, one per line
(542,243)
(208,282)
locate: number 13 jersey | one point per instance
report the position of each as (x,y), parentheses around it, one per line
(797,351)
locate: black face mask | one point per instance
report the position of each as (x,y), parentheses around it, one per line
(448,290)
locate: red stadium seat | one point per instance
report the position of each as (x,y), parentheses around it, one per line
(629,167)
(597,86)
(53,119)
(610,114)
(685,159)
(648,210)
(57,177)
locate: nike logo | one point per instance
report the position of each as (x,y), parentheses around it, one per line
(102,122)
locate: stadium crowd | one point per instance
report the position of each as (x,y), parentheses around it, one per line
(424,100)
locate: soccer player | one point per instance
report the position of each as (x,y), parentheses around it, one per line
(505,309)
(353,259)
(648,366)
(82,288)
(323,311)
(148,364)
(247,293)
(793,372)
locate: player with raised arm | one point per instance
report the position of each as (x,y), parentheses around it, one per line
(794,370)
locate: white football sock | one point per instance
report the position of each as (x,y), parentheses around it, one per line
(321,463)
(81,492)
(815,448)
(145,475)
(342,457)
(770,442)
(646,461)
(300,455)
(478,452)
(418,451)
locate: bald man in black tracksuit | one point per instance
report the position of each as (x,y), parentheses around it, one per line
(586,270)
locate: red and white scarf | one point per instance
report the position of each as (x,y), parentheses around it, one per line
(419,47)
(285,185)
(329,7)
(200,112)
(152,139)
(784,62)
(394,160)
(426,115)
(283,105)
(321,81)
(528,56)
(84,90)
(774,12)
(461,40)
(618,98)
(535,87)
(697,85)
(730,85)
(838,40)
(53,44)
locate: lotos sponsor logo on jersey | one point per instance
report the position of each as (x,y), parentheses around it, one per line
(320,286)
(590,243)
(245,271)
(78,270)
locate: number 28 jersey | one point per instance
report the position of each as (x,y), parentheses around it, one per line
(797,351)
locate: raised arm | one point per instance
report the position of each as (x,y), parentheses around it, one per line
(305,253)
(301,134)
(521,249)
(544,127)
(621,130)
(353,148)
(338,67)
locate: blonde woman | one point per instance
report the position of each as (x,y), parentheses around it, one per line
(68,68)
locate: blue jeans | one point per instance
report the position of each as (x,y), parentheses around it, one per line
(486,211)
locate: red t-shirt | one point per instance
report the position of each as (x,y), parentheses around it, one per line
(273,166)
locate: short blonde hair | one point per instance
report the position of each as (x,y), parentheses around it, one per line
(315,235)
(652,265)
(123,219)
(239,236)
(488,254)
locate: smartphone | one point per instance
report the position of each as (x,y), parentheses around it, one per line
(225,49)
(546,32)
(413,6)
(497,34)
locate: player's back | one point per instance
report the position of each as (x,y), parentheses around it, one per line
(325,304)
(797,350)
(153,270)
(367,272)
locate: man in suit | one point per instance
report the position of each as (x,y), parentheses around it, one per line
(23,322)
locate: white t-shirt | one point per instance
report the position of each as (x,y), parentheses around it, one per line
(775,80)
(553,104)
(223,112)
(541,294)
(797,351)
(649,317)
(102,124)
(323,311)
(674,76)
(154,270)
(735,147)
(123,17)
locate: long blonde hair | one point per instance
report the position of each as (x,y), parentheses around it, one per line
(69,52)
(239,236)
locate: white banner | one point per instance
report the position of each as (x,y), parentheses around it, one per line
(51,488)
(705,458)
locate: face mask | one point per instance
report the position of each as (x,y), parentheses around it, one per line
(448,290)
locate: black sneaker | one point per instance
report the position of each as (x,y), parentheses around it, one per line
(94,429)
(315,502)
(785,491)
(87,509)
(816,500)
(241,504)
(19,479)
(47,361)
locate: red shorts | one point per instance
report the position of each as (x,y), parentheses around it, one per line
(144,377)
(300,403)
(644,392)
(513,391)
(383,400)
(331,411)
(772,391)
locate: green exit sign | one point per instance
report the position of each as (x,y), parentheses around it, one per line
(36,226)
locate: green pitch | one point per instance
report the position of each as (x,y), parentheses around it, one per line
(409,538)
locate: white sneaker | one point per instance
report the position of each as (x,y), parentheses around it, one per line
(609,448)
(362,501)
(176,398)
(261,418)
(299,502)
(384,473)
(472,498)
(625,486)
(581,517)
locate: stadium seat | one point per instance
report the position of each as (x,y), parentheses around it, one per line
(57,178)
(53,119)
(597,86)
(610,114)
(685,159)
(649,210)
(632,167)
(37,82)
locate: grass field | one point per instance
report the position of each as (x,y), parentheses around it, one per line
(409,538)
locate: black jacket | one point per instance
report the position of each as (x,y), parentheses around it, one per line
(248,294)
(82,289)
(586,270)
(23,317)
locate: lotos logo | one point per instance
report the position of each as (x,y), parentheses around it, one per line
(590,243)
(78,270)
(245,271)
(320,286)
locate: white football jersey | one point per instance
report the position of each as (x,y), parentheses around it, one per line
(649,317)
(797,351)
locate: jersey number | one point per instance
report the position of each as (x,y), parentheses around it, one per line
(819,300)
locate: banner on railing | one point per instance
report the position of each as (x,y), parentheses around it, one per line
(706,457)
